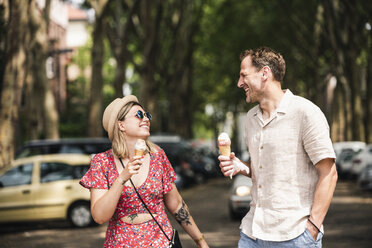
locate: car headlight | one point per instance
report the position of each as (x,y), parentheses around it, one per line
(242,190)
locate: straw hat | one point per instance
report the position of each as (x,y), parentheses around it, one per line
(111,113)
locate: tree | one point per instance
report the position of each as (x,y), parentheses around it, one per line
(344,26)
(96,97)
(41,103)
(180,25)
(147,27)
(16,17)
(3,20)
(119,28)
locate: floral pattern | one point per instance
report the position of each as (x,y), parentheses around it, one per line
(103,173)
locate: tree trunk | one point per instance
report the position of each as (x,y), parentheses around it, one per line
(345,40)
(39,50)
(347,108)
(149,97)
(354,80)
(118,36)
(180,69)
(4,12)
(96,88)
(369,98)
(151,12)
(338,117)
(14,74)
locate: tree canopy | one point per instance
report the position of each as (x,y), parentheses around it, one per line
(181,58)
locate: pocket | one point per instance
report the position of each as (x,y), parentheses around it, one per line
(310,237)
(319,237)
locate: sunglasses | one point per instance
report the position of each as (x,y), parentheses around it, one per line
(141,115)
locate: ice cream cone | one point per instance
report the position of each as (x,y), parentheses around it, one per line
(139,152)
(140,148)
(225,150)
(224,143)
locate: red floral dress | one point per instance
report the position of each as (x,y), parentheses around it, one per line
(101,175)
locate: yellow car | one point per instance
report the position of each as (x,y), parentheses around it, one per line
(46,187)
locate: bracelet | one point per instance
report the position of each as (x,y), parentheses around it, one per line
(312,223)
(199,239)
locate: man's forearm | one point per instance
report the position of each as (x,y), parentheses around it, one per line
(324,191)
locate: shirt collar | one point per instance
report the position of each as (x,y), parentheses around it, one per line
(283,105)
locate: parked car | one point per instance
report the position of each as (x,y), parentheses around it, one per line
(365,178)
(71,145)
(186,161)
(339,147)
(240,196)
(46,187)
(361,160)
(345,151)
(344,162)
(213,155)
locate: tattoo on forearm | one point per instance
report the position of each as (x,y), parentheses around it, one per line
(132,217)
(183,215)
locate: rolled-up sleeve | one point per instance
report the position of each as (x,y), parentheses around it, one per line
(316,137)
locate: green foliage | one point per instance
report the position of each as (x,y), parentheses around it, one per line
(73,119)
(295,28)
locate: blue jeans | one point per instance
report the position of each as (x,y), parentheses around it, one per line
(305,240)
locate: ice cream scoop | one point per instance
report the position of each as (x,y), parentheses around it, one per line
(224,144)
(140,147)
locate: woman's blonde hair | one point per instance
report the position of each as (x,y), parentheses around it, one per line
(119,145)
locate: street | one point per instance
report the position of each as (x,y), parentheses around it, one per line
(348,223)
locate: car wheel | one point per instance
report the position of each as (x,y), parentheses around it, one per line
(79,215)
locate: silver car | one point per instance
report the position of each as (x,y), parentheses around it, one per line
(240,197)
(365,178)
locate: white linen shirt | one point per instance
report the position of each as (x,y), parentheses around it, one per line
(284,150)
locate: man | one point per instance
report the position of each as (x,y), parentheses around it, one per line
(291,159)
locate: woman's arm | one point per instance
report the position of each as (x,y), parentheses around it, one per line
(180,211)
(103,201)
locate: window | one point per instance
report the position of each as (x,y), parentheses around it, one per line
(51,171)
(71,149)
(20,175)
(79,171)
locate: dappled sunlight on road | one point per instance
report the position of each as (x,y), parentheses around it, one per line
(351,200)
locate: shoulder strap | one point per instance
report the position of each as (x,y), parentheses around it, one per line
(148,210)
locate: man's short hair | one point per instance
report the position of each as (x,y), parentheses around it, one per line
(265,56)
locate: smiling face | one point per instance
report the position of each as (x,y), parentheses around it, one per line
(133,126)
(250,80)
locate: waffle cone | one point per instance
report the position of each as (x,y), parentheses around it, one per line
(225,150)
(139,152)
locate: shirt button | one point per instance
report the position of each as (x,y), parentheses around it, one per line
(259,186)
(260,167)
(261,147)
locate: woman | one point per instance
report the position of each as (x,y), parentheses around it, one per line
(112,196)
